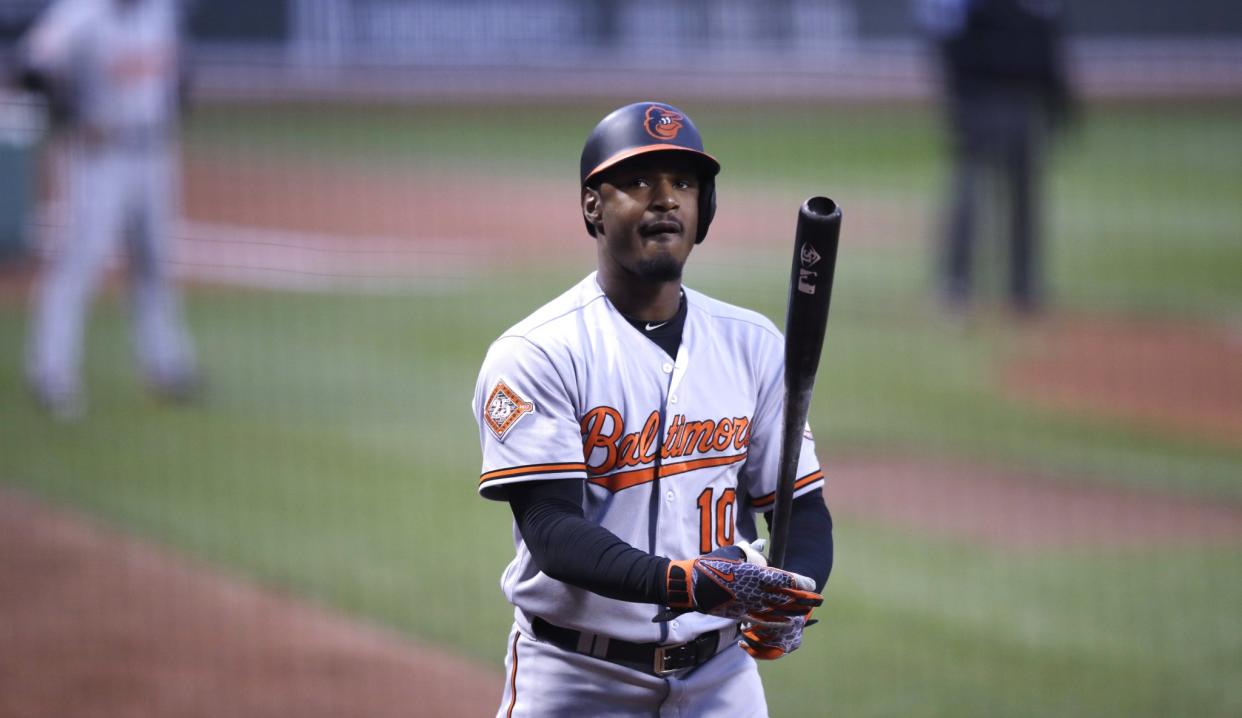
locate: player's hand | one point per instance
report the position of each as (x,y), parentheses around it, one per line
(768,636)
(734,581)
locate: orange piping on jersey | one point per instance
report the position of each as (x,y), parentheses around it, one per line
(513,678)
(682,467)
(805,480)
(531,469)
(629,479)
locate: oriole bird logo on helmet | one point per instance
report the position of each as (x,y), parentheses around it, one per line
(662,123)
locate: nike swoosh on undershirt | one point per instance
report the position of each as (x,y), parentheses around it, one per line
(655,326)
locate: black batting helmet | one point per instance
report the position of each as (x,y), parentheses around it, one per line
(650,127)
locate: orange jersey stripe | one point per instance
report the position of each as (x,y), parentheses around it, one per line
(627,479)
(805,480)
(531,469)
(513,678)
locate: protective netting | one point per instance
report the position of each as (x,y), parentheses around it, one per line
(255,494)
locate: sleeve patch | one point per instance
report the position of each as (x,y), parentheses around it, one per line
(505,407)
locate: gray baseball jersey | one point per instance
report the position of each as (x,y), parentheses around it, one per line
(120,57)
(119,170)
(576,392)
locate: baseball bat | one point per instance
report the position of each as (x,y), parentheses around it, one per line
(806,320)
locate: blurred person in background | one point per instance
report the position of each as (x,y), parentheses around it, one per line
(110,70)
(1006,88)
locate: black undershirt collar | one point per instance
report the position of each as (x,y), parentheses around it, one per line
(667,334)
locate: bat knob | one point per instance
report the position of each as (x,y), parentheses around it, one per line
(819,208)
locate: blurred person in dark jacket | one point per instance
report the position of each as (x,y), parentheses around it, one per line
(1006,88)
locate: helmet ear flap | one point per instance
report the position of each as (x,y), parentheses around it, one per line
(707,209)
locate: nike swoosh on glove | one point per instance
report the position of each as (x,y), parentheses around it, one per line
(724,583)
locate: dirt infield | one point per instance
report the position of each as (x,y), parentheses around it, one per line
(502,217)
(96,624)
(1012,509)
(1182,378)
(374,202)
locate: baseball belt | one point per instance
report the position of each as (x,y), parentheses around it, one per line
(651,658)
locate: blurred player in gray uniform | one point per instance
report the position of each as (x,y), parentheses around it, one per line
(110,70)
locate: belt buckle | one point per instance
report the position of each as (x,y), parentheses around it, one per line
(663,658)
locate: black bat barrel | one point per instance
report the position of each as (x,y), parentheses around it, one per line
(810,291)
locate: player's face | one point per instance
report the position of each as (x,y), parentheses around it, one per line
(646,215)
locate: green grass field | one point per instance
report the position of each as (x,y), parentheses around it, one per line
(335,454)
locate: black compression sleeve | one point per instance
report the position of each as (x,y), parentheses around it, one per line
(809,549)
(569,548)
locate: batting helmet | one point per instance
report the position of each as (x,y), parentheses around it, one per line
(650,127)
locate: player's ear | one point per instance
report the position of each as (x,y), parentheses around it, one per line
(592,207)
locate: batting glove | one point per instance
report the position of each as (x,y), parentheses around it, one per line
(768,636)
(734,581)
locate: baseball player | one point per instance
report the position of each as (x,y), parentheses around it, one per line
(111,69)
(633,425)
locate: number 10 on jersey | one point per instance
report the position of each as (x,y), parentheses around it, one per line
(716,518)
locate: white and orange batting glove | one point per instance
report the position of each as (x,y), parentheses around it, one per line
(734,581)
(769,636)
